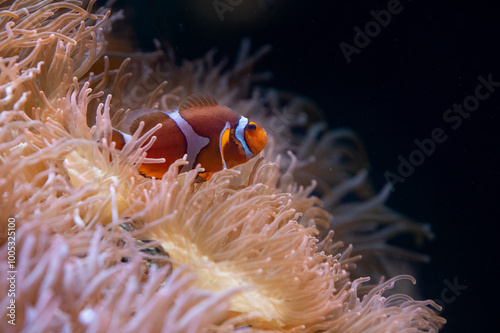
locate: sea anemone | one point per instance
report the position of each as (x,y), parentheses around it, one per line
(92,245)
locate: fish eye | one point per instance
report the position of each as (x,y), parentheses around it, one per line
(252,127)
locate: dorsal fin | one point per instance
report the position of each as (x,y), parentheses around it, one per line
(150,120)
(198,100)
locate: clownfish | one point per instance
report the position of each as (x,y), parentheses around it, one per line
(211,135)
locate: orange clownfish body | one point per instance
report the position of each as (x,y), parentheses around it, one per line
(210,134)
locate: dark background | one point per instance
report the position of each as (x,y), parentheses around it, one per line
(394,91)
